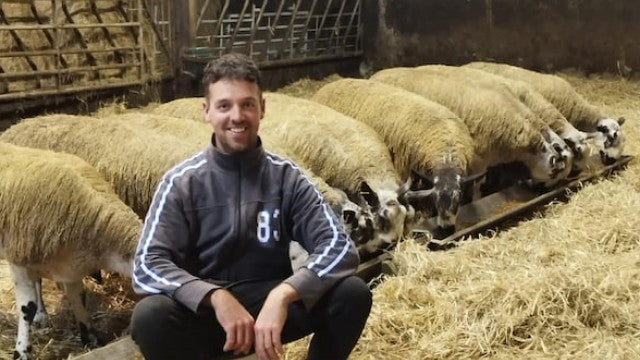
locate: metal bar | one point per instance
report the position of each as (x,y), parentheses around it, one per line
(225,7)
(118,56)
(235,31)
(56,43)
(30,74)
(272,31)
(64,52)
(290,30)
(143,68)
(353,15)
(319,28)
(306,23)
(67,90)
(66,26)
(20,44)
(287,62)
(255,26)
(201,15)
(160,38)
(337,23)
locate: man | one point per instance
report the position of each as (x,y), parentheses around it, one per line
(213,255)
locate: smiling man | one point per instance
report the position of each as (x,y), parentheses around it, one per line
(214,254)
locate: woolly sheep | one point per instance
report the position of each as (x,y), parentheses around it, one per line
(572,105)
(186,108)
(347,154)
(541,107)
(131,158)
(59,219)
(423,136)
(501,131)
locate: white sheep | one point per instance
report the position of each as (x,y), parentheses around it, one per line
(59,219)
(423,136)
(131,158)
(346,153)
(525,93)
(503,130)
(572,105)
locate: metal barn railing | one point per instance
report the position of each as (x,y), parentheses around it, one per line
(53,47)
(278,31)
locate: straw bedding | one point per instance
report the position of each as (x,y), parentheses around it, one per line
(564,285)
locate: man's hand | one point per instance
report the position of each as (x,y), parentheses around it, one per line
(271,321)
(235,320)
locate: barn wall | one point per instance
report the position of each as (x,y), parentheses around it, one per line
(592,35)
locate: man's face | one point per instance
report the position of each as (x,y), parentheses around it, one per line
(234,109)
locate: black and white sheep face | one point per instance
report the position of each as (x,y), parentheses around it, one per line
(389,215)
(612,139)
(578,142)
(552,160)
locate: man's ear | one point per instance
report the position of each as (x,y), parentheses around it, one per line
(205,108)
(263,106)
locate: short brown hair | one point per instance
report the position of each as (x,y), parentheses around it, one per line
(231,66)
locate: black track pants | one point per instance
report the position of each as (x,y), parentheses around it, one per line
(165,329)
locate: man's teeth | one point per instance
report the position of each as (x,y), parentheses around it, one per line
(238,130)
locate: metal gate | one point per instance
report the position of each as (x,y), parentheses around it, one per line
(52,47)
(276,31)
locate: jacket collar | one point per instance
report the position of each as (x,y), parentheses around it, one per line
(238,161)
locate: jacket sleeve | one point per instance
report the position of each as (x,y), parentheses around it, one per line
(332,254)
(163,246)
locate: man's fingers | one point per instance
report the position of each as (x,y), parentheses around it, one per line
(248,340)
(269,345)
(277,342)
(230,344)
(259,340)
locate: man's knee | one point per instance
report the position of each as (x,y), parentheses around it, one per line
(151,313)
(354,293)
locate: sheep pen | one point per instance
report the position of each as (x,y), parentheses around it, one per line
(562,285)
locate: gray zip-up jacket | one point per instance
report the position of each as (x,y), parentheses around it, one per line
(217,219)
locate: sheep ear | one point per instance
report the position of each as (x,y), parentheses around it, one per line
(474,177)
(427,179)
(621,120)
(404,187)
(546,134)
(369,195)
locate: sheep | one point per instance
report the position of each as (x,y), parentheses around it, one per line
(501,130)
(574,138)
(357,221)
(347,154)
(572,105)
(187,108)
(131,158)
(423,136)
(59,219)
